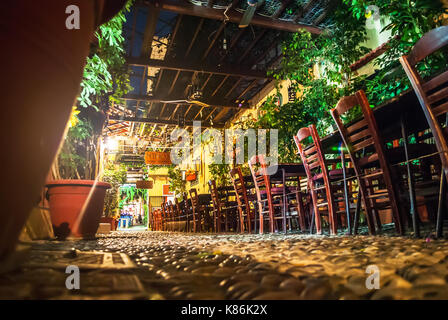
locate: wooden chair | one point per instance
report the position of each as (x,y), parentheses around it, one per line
(294,203)
(432,93)
(170,216)
(370,163)
(269,199)
(188,212)
(180,214)
(328,194)
(164,216)
(200,212)
(246,213)
(223,208)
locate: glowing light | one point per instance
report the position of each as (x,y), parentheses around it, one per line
(111,144)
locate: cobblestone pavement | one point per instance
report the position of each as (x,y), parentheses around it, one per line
(209,266)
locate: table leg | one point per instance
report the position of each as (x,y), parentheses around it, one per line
(412,198)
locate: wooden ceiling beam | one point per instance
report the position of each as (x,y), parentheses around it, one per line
(198,29)
(251,45)
(161,121)
(188,66)
(183,7)
(214,103)
(150,30)
(233,87)
(250,86)
(215,37)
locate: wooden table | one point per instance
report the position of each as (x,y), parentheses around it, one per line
(391,116)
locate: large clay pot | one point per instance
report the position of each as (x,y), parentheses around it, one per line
(113,222)
(76,207)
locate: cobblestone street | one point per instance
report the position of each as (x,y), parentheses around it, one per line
(206,266)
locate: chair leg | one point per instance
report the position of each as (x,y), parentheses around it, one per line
(439,222)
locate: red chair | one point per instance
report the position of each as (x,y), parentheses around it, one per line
(433,96)
(328,194)
(269,199)
(223,209)
(370,163)
(200,212)
(246,213)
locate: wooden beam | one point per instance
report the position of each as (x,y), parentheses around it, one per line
(150,30)
(251,45)
(198,29)
(214,103)
(221,114)
(233,87)
(188,66)
(215,37)
(161,121)
(183,7)
(249,86)
(220,85)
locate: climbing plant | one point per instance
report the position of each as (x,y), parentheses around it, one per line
(116,176)
(408,21)
(318,68)
(177,185)
(106,77)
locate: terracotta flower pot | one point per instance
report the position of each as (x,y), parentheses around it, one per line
(76,207)
(113,222)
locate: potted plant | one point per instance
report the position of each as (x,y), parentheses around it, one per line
(115,175)
(76,196)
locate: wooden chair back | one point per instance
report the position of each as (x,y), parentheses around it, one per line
(366,148)
(241,197)
(433,92)
(312,156)
(258,168)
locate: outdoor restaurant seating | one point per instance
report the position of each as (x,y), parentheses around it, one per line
(270,198)
(200,217)
(329,194)
(373,170)
(247,217)
(220,212)
(367,153)
(432,94)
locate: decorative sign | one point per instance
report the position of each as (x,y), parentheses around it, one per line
(144,184)
(157,158)
(166,190)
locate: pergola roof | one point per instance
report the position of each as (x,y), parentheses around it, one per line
(173,45)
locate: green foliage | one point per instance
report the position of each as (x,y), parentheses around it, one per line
(106,73)
(129,193)
(176,183)
(116,176)
(72,158)
(332,52)
(409,21)
(220,172)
